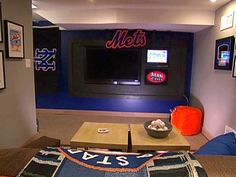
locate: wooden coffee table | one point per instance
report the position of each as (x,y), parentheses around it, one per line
(87,136)
(141,141)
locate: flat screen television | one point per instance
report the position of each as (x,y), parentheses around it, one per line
(157,56)
(112,66)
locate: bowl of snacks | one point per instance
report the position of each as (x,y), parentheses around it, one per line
(158,128)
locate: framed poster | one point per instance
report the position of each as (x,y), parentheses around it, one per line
(224,49)
(14,34)
(234,67)
(1,40)
(227,21)
(2,71)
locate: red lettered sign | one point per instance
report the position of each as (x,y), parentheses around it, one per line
(122,40)
(156,77)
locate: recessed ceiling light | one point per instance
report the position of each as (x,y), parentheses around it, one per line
(212,1)
(34,6)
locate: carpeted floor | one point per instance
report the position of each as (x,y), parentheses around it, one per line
(63,126)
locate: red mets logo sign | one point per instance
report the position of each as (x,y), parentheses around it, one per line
(122,40)
(156,77)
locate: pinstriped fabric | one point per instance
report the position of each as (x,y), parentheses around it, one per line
(176,164)
(59,162)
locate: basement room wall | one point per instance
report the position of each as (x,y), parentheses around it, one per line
(17,100)
(213,90)
(74,93)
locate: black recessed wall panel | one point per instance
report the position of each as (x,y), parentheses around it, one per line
(177,44)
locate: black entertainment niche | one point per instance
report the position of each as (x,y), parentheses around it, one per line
(112,66)
(96,71)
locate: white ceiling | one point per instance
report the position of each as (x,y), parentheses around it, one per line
(171,15)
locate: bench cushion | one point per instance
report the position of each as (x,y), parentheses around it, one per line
(43,142)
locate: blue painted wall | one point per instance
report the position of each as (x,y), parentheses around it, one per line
(62,100)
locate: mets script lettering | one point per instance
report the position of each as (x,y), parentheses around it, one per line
(121,40)
(43,59)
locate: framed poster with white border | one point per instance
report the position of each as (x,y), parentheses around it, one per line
(234,67)
(14,36)
(1,40)
(2,71)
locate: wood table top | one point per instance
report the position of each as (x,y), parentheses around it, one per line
(142,141)
(88,136)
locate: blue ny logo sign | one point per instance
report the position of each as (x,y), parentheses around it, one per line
(43,59)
